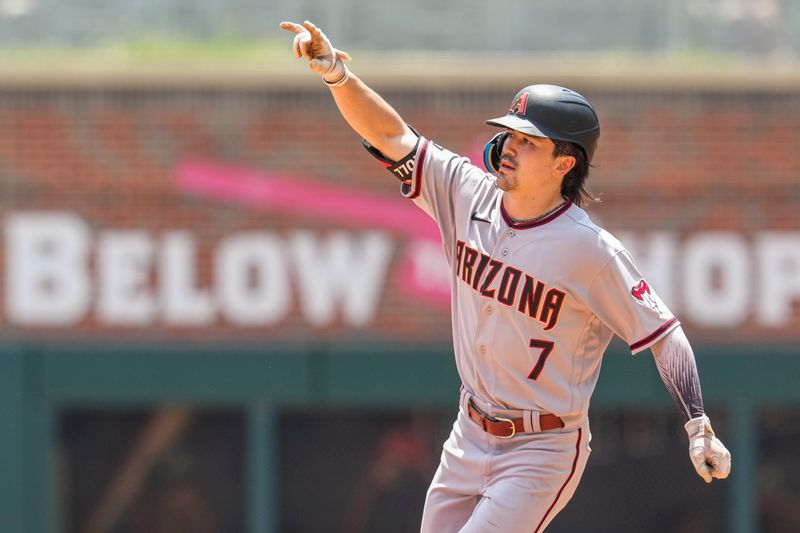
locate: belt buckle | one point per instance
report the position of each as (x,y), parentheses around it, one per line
(510,423)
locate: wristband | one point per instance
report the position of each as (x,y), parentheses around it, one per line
(342,79)
(699,427)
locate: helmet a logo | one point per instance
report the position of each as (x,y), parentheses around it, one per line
(520,105)
(641,292)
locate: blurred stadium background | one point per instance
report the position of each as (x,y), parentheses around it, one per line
(219,316)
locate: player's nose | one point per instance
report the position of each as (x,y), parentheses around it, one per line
(510,146)
(508,151)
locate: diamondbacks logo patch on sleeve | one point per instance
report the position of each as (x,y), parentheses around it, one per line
(641,292)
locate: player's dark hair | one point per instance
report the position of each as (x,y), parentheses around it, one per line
(574,185)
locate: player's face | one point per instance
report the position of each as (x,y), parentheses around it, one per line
(528,165)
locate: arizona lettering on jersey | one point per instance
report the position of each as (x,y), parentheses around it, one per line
(492,279)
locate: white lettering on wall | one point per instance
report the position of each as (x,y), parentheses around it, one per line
(340,272)
(139,279)
(47,279)
(182,302)
(716,273)
(252,279)
(124,269)
(779,277)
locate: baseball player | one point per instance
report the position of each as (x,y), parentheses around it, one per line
(538,291)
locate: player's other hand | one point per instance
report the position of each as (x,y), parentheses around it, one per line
(709,456)
(310,42)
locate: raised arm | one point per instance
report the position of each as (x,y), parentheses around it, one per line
(678,370)
(366,112)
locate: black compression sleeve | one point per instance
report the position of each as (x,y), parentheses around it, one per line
(678,370)
(401,169)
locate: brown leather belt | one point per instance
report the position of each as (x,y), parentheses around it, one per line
(505,428)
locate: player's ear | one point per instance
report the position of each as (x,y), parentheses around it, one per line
(493,151)
(565,163)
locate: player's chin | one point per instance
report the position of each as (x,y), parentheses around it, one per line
(505,182)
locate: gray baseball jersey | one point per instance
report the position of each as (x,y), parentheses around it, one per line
(534,306)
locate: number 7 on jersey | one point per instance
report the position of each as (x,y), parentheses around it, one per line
(546,347)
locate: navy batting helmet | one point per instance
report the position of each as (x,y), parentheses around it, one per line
(554,112)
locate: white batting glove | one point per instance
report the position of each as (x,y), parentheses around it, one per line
(709,456)
(323,58)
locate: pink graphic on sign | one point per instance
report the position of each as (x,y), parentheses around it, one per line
(425,273)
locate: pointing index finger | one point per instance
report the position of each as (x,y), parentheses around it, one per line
(292,27)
